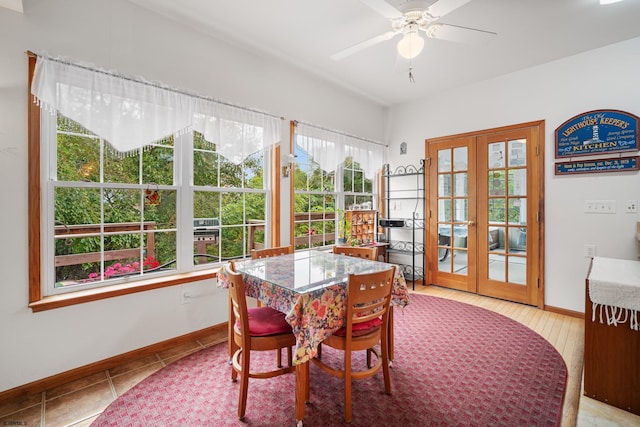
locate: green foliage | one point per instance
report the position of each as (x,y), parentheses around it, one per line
(79,160)
(353,178)
(316,192)
(344,225)
(232,193)
(234,209)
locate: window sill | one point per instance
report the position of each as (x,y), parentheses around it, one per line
(80,297)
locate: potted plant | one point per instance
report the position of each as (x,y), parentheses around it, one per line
(344,227)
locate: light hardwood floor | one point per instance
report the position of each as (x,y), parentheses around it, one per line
(78,403)
(566,334)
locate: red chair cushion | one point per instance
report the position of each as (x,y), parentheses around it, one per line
(360,329)
(265,321)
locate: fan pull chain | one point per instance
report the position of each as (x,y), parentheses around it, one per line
(411,79)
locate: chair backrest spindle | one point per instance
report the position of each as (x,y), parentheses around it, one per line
(369,295)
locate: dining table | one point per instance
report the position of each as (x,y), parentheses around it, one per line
(310,287)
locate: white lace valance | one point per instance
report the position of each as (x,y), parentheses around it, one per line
(329,149)
(614,290)
(130,113)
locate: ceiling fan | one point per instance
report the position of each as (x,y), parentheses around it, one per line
(413,17)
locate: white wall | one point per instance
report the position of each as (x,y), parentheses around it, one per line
(117,35)
(605,78)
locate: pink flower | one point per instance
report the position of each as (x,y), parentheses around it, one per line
(117,268)
(151,263)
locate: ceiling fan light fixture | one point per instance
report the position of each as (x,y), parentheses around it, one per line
(411,44)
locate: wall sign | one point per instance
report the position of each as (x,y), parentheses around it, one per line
(617,164)
(597,132)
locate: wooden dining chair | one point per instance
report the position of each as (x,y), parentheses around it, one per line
(254,329)
(266,253)
(366,252)
(269,252)
(367,317)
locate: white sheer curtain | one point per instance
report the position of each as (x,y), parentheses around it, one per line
(130,113)
(329,149)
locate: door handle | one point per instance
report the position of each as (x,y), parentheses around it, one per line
(471,223)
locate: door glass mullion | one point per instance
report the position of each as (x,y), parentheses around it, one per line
(507,211)
(445,210)
(453,210)
(444,221)
(461,213)
(497,190)
(517,211)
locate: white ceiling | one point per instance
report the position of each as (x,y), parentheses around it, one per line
(307,33)
(15,5)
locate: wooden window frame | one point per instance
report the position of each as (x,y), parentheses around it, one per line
(37,300)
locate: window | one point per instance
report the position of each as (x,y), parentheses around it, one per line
(314,203)
(357,188)
(155,214)
(328,177)
(231,204)
(115,216)
(110,216)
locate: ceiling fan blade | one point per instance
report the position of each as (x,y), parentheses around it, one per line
(458,34)
(363,45)
(442,7)
(383,8)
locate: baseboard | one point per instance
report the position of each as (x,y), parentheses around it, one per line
(564,311)
(83,371)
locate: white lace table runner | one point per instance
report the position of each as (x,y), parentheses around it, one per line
(614,289)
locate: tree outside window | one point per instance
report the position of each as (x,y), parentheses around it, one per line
(318,194)
(115,216)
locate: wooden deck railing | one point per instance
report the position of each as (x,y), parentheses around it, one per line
(299,218)
(78,231)
(63,232)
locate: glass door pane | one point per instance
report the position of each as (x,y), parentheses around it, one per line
(507,211)
(453,210)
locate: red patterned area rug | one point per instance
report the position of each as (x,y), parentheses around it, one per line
(455,365)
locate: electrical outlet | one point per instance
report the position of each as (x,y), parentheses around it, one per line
(185,297)
(589,251)
(631,206)
(589,206)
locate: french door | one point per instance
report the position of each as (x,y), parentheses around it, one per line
(484,229)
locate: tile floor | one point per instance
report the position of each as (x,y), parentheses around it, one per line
(79,403)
